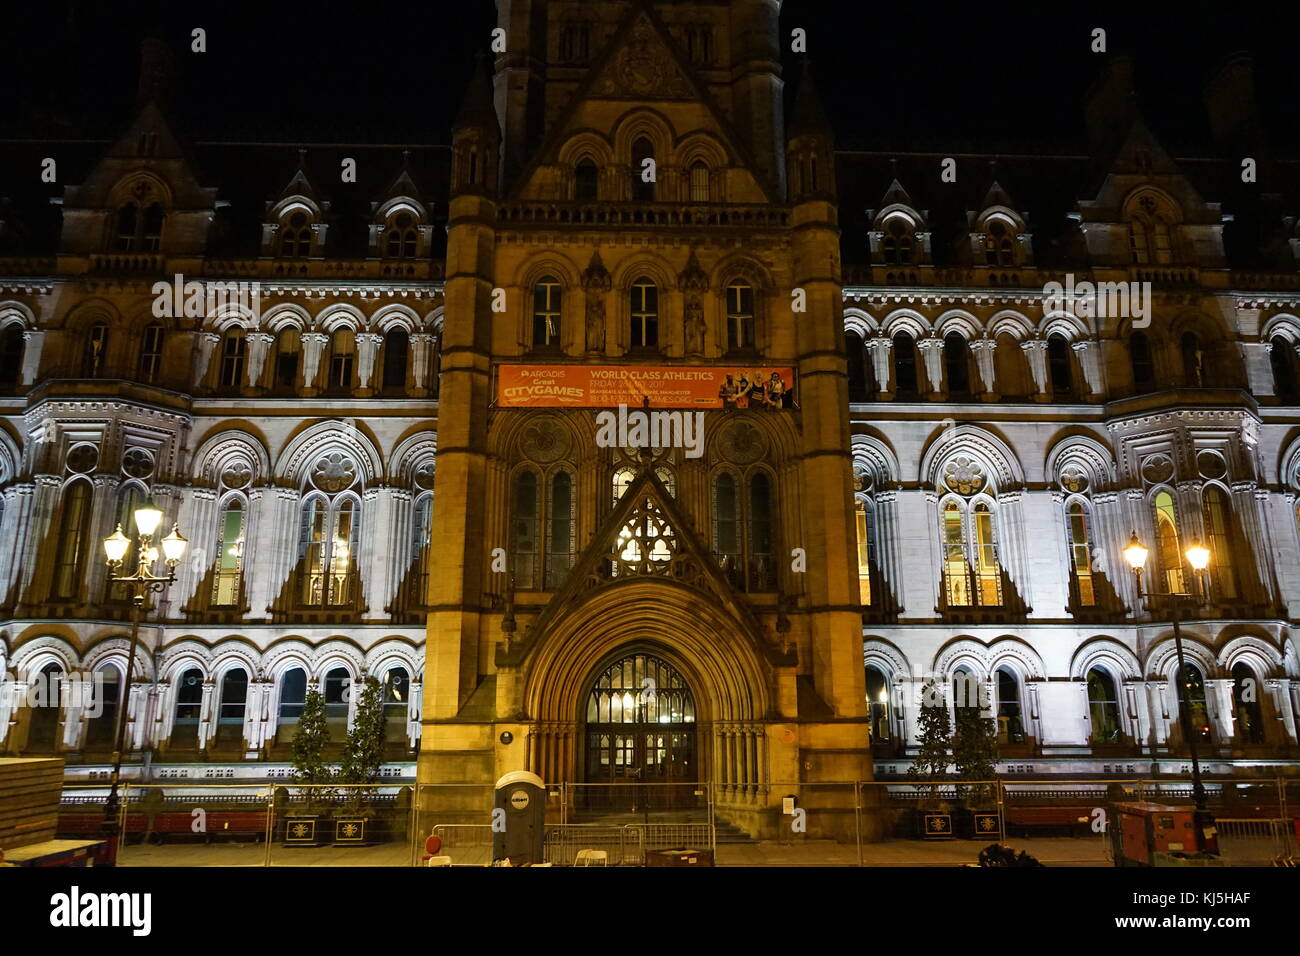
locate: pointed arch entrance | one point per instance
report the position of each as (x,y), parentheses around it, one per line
(640,728)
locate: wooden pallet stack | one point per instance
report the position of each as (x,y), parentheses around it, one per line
(30,788)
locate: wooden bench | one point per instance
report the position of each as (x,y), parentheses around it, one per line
(1077,821)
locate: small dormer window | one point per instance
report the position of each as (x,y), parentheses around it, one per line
(295,236)
(1149,233)
(999,247)
(139,230)
(899,245)
(401,238)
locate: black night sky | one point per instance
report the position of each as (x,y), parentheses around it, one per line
(983,76)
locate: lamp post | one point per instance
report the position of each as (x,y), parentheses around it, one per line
(1198,556)
(141,581)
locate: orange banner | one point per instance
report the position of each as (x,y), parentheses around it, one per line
(666,386)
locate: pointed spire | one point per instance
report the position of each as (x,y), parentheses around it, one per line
(476,108)
(808,118)
(157,73)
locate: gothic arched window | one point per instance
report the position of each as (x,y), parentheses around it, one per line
(999,246)
(328,535)
(744,529)
(740,316)
(151,349)
(189,707)
(74,540)
(972,571)
(230,554)
(586,180)
(11,356)
(1282,358)
(96,351)
(878,703)
(397,347)
(1246,707)
(560,528)
(1192,694)
(699,182)
(546,313)
(1169,553)
(233,700)
(1219,533)
(905,382)
(956,359)
(1078,523)
(644,302)
(1060,372)
(1103,707)
(1011,729)
(898,245)
(401,237)
(643,171)
(524,517)
(234,348)
(295,236)
(1144,372)
(293,694)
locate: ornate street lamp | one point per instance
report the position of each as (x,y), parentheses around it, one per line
(147,517)
(1198,556)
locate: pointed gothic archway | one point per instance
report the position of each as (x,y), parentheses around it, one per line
(640,749)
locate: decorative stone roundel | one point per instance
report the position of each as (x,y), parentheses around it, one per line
(862,480)
(1073,479)
(963,475)
(237,474)
(423,476)
(334,472)
(137,463)
(1211,465)
(1158,468)
(742,443)
(544,440)
(83,458)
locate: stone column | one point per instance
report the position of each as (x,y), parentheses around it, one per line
(932,359)
(259,344)
(879,348)
(208,714)
(275,534)
(1280,690)
(44,498)
(1089,359)
(1218,699)
(313,346)
(207,342)
(415,710)
(367,348)
(985,351)
(377,551)
(421,352)
(1036,352)
(33,345)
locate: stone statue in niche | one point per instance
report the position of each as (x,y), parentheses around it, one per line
(597,282)
(595,321)
(694,325)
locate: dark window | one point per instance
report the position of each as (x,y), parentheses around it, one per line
(73,543)
(402,235)
(1193,360)
(337,684)
(1058,367)
(904,366)
(1192,693)
(585,181)
(857,368)
(643,171)
(11,356)
(1282,356)
(189,701)
(956,357)
(762,570)
(1144,372)
(295,236)
(96,351)
(293,694)
(1010,728)
(287,352)
(878,700)
(1103,707)
(396,348)
(699,182)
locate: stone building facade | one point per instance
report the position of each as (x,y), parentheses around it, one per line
(946,494)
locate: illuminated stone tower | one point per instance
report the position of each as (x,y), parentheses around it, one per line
(607,616)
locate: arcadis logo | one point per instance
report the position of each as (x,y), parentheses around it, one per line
(74,909)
